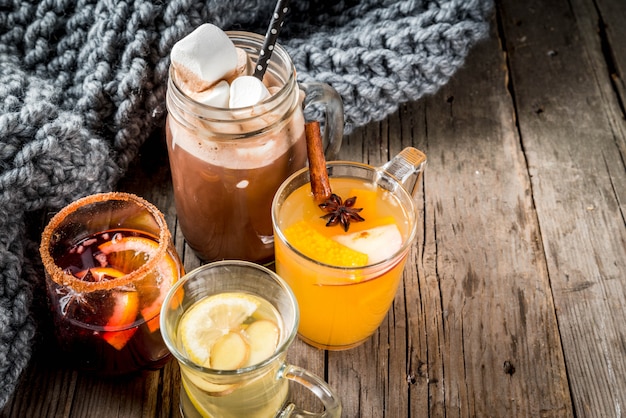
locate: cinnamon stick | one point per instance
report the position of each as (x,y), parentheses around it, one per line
(320,185)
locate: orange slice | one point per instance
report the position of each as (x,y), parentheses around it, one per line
(125,308)
(131,252)
(128,253)
(313,244)
(153,295)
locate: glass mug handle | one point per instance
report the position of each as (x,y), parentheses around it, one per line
(406,168)
(332,404)
(326,96)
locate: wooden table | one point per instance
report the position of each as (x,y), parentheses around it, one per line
(514,297)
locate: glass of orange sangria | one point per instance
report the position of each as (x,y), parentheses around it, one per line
(343,258)
(109,262)
(229,324)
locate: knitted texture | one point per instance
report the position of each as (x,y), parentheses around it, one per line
(82,86)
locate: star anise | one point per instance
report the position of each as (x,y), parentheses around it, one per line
(340,212)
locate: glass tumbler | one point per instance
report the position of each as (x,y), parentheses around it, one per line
(109,262)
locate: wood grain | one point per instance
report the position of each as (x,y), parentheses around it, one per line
(575,164)
(513,301)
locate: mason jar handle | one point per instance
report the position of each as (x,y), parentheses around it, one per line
(405,169)
(326,96)
(331,402)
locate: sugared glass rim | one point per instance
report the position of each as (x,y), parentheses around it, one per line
(60,277)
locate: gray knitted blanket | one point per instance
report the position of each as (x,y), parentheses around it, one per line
(82,85)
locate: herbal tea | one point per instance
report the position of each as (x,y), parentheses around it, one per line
(230,331)
(229,325)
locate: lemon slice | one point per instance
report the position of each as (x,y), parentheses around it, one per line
(212,318)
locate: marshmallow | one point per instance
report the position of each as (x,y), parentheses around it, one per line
(216,96)
(204,57)
(245,66)
(379,243)
(247,91)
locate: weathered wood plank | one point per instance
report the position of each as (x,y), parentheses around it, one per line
(419,307)
(313,360)
(612,17)
(602,34)
(44,391)
(167,393)
(575,165)
(524,222)
(497,349)
(112,397)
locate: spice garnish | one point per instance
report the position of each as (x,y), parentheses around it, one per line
(340,212)
(320,185)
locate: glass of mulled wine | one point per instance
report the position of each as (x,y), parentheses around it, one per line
(109,262)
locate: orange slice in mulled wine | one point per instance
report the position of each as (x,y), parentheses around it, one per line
(131,252)
(153,293)
(125,309)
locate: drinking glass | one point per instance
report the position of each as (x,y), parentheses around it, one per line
(227,163)
(259,389)
(109,262)
(342,302)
